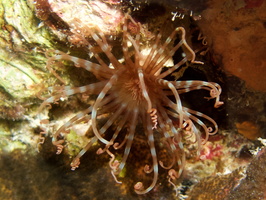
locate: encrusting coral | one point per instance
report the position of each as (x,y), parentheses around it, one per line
(134,91)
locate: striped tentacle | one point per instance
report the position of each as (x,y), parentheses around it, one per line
(110,121)
(165,120)
(150,110)
(188,48)
(97,103)
(152,54)
(148,129)
(208,130)
(162,118)
(187,86)
(144,89)
(65,91)
(192,129)
(170,54)
(98,70)
(120,145)
(98,58)
(74,120)
(71,122)
(199,114)
(76,161)
(215,93)
(135,43)
(185,59)
(199,85)
(159,59)
(119,127)
(130,137)
(176,139)
(126,54)
(103,44)
(172,69)
(178,105)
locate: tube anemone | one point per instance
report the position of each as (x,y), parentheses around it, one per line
(134,92)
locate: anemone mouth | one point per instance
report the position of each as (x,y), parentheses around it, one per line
(136,92)
(129,90)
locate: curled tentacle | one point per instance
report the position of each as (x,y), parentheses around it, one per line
(76,161)
(172,176)
(167,167)
(139,186)
(75,164)
(59,146)
(147,169)
(114,164)
(154,117)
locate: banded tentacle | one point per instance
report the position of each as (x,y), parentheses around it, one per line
(101,40)
(99,71)
(65,91)
(81,116)
(187,86)
(76,161)
(189,131)
(129,141)
(178,104)
(150,138)
(164,126)
(97,103)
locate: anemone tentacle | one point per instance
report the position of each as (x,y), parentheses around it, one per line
(100,97)
(147,122)
(129,141)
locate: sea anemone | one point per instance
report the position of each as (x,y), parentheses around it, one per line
(135,92)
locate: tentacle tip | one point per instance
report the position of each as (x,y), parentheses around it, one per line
(218,104)
(116,145)
(74,168)
(198,62)
(75,164)
(139,187)
(210,129)
(114,176)
(100,151)
(172,174)
(147,169)
(59,151)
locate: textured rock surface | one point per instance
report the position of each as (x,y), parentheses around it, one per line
(236,31)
